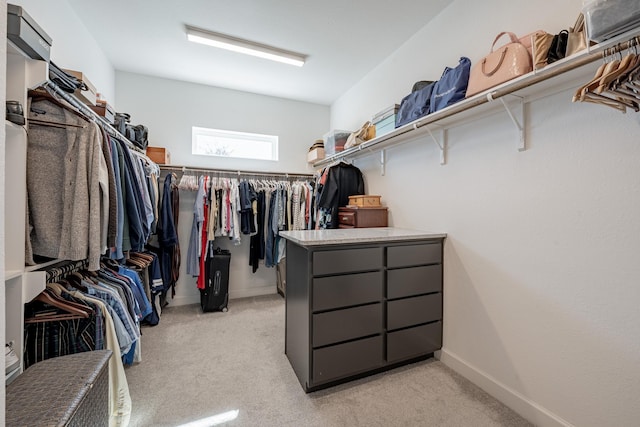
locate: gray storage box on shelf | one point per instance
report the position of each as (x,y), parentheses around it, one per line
(608,18)
(25,33)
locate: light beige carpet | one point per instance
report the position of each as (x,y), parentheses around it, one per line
(207,366)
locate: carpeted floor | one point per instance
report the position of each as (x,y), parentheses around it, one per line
(199,366)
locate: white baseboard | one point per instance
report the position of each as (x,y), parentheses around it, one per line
(239,293)
(184,300)
(527,408)
(253,292)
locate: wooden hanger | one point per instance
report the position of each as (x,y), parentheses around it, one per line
(57,293)
(621,68)
(587,93)
(49,298)
(613,84)
(591,85)
(39,94)
(49,123)
(75,280)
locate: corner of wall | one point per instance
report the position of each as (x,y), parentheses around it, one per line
(527,408)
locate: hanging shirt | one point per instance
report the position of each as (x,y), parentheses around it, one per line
(138,288)
(257,247)
(116,250)
(235,211)
(134,223)
(343,180)
(65,195)
(213,214)
(124,325)
(193,253)
(203,237)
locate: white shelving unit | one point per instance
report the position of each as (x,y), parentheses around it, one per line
(509,98)
(21,284)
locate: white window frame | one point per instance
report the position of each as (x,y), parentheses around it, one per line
(232,137)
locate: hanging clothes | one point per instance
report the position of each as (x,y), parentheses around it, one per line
(193,253)
(247,198)
(203,237)
(65,202)
(235,208)
(116,248)
(342,180)
(138,230)
(86,312)
(56,327)
(111,225)
(168,248)
(257,245)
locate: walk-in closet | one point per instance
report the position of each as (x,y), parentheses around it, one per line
(333,214)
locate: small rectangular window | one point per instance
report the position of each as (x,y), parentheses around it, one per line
(241,145)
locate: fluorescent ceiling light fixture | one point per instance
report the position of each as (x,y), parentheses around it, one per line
(247,47)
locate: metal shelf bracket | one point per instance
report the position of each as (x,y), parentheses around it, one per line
(383,161)
(441,142)
(516,114)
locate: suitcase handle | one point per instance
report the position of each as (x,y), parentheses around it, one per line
(216,283)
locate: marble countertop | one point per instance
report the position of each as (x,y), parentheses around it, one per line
(343,236)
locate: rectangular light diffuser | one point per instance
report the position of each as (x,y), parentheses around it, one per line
(247,47)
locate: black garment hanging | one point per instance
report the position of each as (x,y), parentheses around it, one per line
(343,180)
(257,246)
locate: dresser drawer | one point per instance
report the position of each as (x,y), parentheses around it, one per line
(346,290)
(343,325)
(343,360)
(347,260)
(413,311)
(410,281)
(410,255)
(414,342)
(347,218)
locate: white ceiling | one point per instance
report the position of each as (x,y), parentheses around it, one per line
(344,40)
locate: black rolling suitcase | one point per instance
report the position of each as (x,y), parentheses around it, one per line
(215,295)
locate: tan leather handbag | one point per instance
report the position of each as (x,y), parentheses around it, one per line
(365,133)
(577,39)
(510,61)
(527,40)
(541,43)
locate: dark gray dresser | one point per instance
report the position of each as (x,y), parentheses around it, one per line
(361,300)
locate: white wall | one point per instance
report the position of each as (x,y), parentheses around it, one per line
(73,47)
(542,256)
(170,108)
(465,28)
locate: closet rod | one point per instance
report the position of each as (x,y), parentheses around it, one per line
(108,127)
(234,172)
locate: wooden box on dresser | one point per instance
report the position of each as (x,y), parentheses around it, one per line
(355,217)
(361,300)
